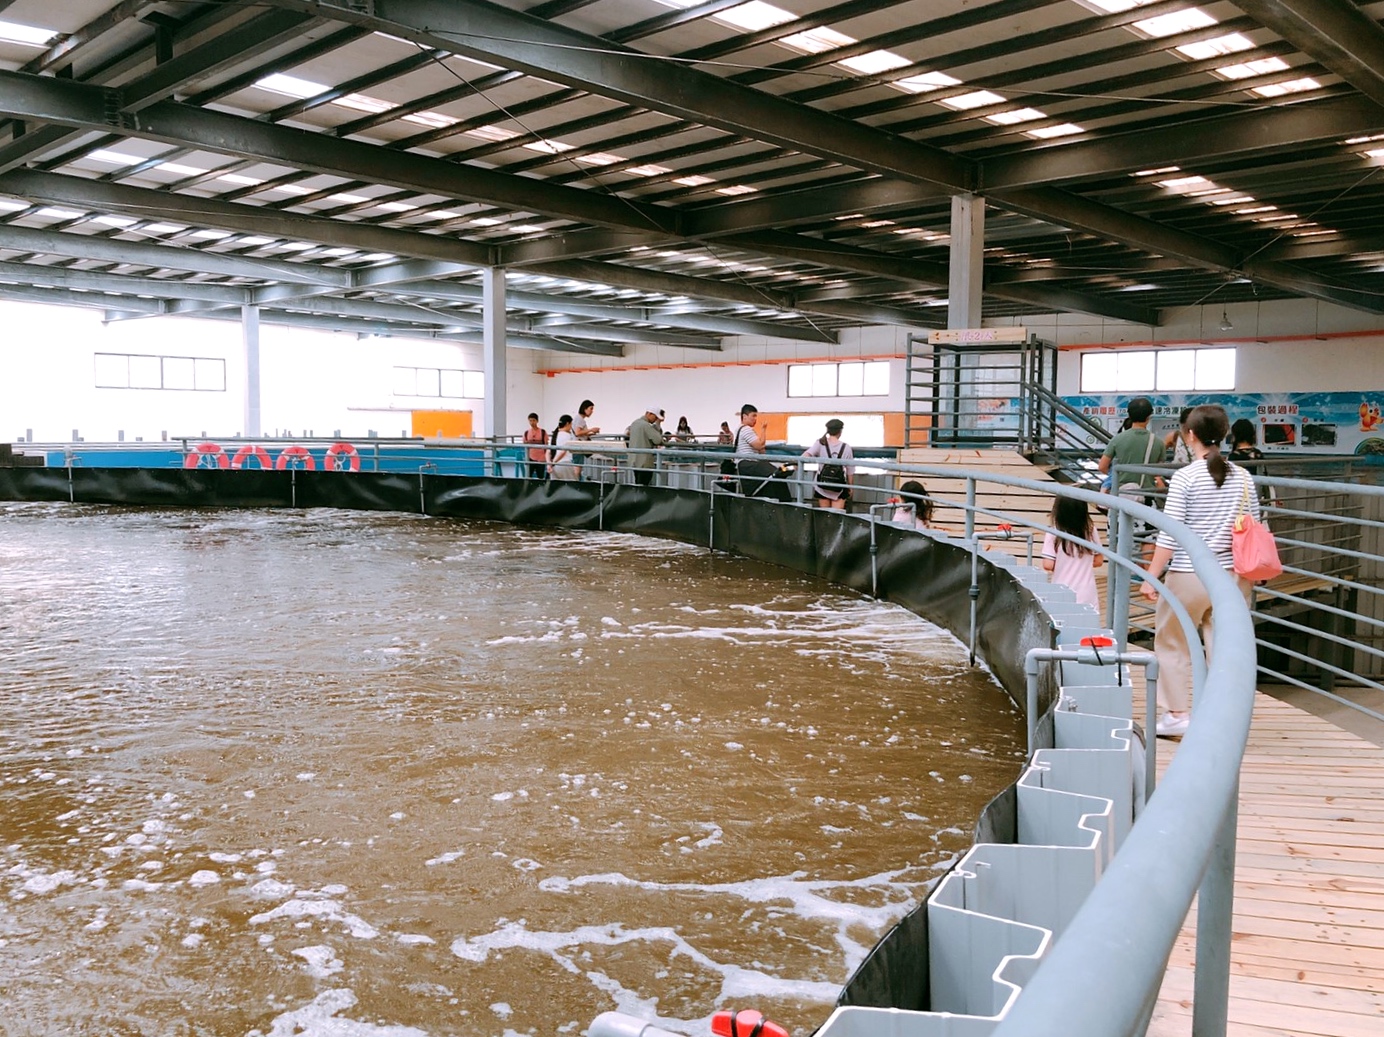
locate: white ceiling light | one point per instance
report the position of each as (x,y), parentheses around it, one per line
(361,103)
(1018,115)
(875,62)
(548,147)
(693,180)
(975,99)
(648,170)
(598,158)
(1172,24)
(754,16)
(925,82)
(1296,86)
(1214,48)
(1249,69)
(492,133)
(1065,129)
(29,35)
(279,83)
(737,189)
(433,120)
(815,41)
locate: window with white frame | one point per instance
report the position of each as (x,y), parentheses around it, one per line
(140,371)
(849,378)
(1161,370)
(446,383)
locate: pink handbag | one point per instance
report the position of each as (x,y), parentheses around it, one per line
(1252,546)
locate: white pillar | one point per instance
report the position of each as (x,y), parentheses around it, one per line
(967,261)
(496,376)
(250,335)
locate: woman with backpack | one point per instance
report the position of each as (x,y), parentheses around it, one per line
(832,487)
(563,466)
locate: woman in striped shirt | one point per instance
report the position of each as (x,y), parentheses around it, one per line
(1206,495)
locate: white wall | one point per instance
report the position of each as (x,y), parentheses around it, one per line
(311,381)
(710,387)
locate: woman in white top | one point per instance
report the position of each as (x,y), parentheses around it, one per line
(832,487)
(1206,495)
(1176,440)
(563,465)
(748,442)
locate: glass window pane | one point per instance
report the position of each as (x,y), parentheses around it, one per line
(452,384)
(210,374)
(406,381)
(823,379)
(177,372)
(1134,372)
(877,378)
(850,379)
(1177,370)
(1098,372)
(429,383)
(112,371)
(1215,369)
(799,380)
(474,382)
(146,372)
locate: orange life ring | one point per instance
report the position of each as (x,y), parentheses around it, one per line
(295,457)
(257,452)
(341,457)
(748,1022)
(206,455)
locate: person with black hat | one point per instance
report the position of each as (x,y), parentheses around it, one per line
(832,487)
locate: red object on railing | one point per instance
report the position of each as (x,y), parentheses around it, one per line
(747,1022)
(206,455)
(295,457)
(1097,641)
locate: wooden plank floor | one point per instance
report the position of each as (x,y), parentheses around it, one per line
(1307,956)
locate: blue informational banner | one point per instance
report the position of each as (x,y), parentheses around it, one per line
(1285,423)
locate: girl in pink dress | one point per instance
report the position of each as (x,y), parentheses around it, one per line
(1071,564)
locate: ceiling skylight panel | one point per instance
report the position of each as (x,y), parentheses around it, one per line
(648,170)
(1214,48)
(548,147)
(925,82)
(494,134)
(975,99)
(1296,86)
(114,158)
(875,62)
(598,158)
(694,180)
(1017,115)
(362,103)
(1184,184)
(1249,69)
(737,189)
(28,35)
(754,16)
(433,120)
(1172,24)
(240,180)
(1065,129)
(1116,6)
(815,41)
(302,89)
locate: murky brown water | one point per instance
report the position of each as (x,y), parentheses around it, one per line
(330,773)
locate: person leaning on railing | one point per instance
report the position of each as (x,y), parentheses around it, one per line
(1207,496)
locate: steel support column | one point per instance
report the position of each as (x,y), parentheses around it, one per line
(967,261)
(496,377)
(250,336)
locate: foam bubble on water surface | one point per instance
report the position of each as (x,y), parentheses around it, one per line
(445,858)
(502,1009)
(203,878)
(46,883)
(325,910)
(321,961)
(320,1018)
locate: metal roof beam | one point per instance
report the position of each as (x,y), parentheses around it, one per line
(142,202)
(69,297)
(90,108)
(162,257)
(1184,143)
(1070,210)
(98,281)
(1336,33)
(556,53)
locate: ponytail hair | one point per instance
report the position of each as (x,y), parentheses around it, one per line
(1210,424)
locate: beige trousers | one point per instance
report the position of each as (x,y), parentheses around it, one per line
(1170,643)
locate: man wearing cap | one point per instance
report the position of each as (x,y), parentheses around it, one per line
(645,434)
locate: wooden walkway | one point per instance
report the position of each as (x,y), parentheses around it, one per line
(1307,956)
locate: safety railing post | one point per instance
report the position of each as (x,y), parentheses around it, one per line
(711,518)
(973,592)
(1118,584)
(293,487)
(1215,911)
(970,507)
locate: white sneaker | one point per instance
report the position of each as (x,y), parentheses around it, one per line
(1170,726)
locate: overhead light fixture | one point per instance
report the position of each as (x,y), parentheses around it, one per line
(1225,322)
